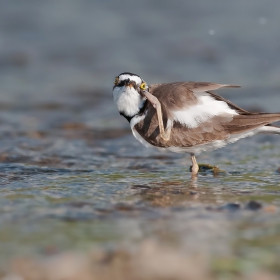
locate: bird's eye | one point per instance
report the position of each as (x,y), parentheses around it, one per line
(143,86)
(116,80)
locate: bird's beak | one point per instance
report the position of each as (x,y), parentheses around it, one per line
(129,83)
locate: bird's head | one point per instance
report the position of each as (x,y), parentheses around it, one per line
(127,94)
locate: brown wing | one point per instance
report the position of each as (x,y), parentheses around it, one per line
(174,96)
(216,128)
(179,95)
(182,136)
(247,122)
(193,86)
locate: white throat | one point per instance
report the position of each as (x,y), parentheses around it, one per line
(128,100)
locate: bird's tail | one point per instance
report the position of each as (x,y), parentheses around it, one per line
(269,129)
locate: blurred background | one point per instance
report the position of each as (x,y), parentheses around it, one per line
(52,48)
(72,175)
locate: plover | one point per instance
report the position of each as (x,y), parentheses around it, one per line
(185,117)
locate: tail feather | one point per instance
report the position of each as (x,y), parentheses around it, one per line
(269,129)
(260,122)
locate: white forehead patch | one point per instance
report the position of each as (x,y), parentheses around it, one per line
(134,78)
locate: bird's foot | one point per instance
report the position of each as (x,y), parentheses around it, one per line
(204,168)
(165,136)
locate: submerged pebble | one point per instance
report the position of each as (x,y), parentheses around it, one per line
(230,207)
(253,205)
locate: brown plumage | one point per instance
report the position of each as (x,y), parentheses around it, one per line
(185,116)
(180,95)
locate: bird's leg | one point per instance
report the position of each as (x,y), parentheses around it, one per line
(156,104)
(195,166)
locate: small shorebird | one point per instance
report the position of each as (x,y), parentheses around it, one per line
(185,116)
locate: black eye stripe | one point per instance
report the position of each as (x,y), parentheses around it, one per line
(122,83)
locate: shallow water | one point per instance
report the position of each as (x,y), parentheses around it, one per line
(72,187)
(72,176)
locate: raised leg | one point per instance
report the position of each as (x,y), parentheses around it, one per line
(195,166)
(165,135)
